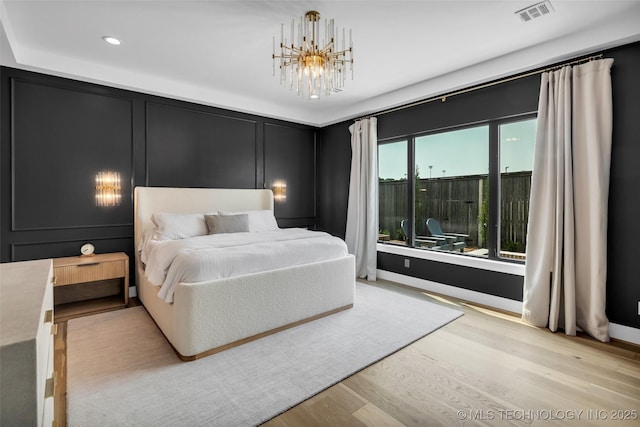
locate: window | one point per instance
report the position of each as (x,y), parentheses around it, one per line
(516,163)
(453,193)
(451,175)
(392,192)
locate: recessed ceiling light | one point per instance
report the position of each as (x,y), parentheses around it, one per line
(111,40)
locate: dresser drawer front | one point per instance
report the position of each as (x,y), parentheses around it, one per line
(72,274)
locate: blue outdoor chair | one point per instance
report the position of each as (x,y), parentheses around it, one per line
(456,240)
(424,241)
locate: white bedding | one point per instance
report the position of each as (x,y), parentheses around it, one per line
(217,256)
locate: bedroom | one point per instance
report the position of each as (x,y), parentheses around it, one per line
(311,154)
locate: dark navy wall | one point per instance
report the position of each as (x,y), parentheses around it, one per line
(488,282)
(334,163)
(294,165)
(190,146)
(623,271)
(57,133)
(518,96)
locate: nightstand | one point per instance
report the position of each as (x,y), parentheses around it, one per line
(90,284)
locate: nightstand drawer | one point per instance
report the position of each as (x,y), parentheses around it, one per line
(88,272)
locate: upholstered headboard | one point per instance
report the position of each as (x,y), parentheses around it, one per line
(149,200)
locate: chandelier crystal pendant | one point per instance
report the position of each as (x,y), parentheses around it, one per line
(304,63)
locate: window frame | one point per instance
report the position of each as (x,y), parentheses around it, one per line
(408,159)
(494,178)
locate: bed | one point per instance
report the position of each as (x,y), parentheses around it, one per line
(209,316)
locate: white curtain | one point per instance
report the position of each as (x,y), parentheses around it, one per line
(362,210)
(566,268)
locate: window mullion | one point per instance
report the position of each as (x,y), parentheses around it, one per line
(494,191)
(411,189)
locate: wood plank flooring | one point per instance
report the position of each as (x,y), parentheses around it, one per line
(486,368)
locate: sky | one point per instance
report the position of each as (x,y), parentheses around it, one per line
(461,152)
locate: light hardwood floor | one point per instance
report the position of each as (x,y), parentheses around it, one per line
(486,368)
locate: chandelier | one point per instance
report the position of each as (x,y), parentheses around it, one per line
(312,67)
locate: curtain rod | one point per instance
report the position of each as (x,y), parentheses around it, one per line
(444,97)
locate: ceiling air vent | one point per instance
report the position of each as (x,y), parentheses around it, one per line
(535,11)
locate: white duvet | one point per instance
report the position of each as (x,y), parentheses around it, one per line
(218,256)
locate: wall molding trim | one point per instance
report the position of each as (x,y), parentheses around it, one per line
(66,129)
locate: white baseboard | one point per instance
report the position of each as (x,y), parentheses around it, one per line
(624,333)
(621,332)
(133,291)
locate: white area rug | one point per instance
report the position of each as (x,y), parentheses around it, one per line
(121,371)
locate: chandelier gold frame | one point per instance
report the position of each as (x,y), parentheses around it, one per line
(306,65)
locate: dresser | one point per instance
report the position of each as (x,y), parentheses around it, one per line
(27,381)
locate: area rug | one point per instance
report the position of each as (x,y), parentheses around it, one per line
(121,371)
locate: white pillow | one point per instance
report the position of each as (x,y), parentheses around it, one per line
(262,220)
(170,226)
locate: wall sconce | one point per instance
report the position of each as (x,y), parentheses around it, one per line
(108,189)
(279,191)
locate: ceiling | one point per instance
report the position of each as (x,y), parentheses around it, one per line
(219,52)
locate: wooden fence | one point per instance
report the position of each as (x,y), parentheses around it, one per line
(460,205)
